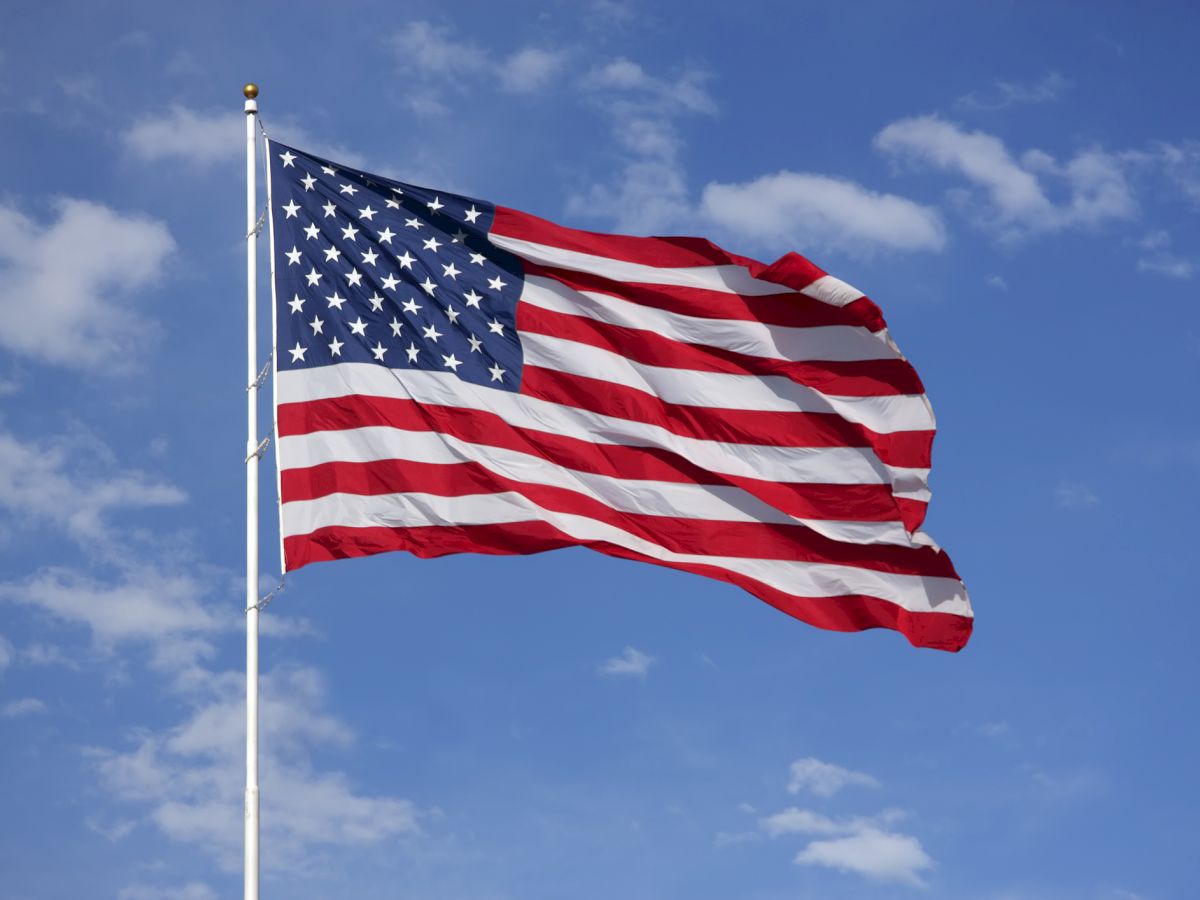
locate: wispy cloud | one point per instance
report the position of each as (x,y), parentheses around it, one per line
(633,663)
(1075,495)
(77,315)
(1010,196)
(1158,259)
(1051,87)
(26,706)
(825,779)
(434,57)
(803,209)
(872,853)
(193,890)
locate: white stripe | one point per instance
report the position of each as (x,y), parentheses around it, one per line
(723,503)
(730,279)
(833,291)
(408,510)
(822,465)
(766,393)
(830,343)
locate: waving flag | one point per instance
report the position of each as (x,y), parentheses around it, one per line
(455,376)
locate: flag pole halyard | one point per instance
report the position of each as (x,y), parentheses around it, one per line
(252,456)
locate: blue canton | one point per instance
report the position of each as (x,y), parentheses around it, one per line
(372,270)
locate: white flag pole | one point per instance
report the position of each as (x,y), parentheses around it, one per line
(253,452)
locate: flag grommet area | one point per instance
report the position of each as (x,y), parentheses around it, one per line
(457,376)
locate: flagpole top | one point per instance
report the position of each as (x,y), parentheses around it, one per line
(250,90)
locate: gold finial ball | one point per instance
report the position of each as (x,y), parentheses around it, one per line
(250,90)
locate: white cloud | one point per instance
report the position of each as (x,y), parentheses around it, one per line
(205,138)
(996,282)
(188,778)
(1015,203)
(70,482)
(193,890)
(201,138)
(6,653)
(1158,260)
(873,853)
(1049,88)
(1181,164)
(1074,495)
(65,288)
(802,209)
(683,94)
(632,662)
(825,779)
(530,69)
(798,821)
(432,57)
(26,706)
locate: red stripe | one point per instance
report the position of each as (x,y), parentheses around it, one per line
(787,310)
(860,378)
(847,613)
(748,540)
(734,426)
(855,502)
(791,270)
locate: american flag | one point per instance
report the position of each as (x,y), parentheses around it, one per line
(456,376)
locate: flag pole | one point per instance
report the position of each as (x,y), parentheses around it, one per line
(250,874)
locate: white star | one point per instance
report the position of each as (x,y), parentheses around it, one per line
(428,286)
(296,303)
(291,209)
(349,232)
(391,204)
(366,213)
(332,254)
(432,244)
(475,343)
(451,271)
(298,352)
(312,231)
(288,158)
(411,306)
(348,189)
(385,236)
(412,223)
(390,282)
(376,301)
(396,326)
(432,333)
(353,277)
(496,372)
(359,327)
(459,237)
(473,298)
(495,326)
(335,347)
(452,314)
(496,284)
(369,257)
(451,362)
(335,301)
(293,256)
(316,325)
(397,192)
(406,260)
(329,170)
(472,214)
(308,181)
(477,259)
(434,205)
(313,277)
(329,208)
(379,350)
(412,352)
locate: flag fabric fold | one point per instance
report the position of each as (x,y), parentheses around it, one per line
(456,376)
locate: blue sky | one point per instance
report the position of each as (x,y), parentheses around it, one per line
(1017,186)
